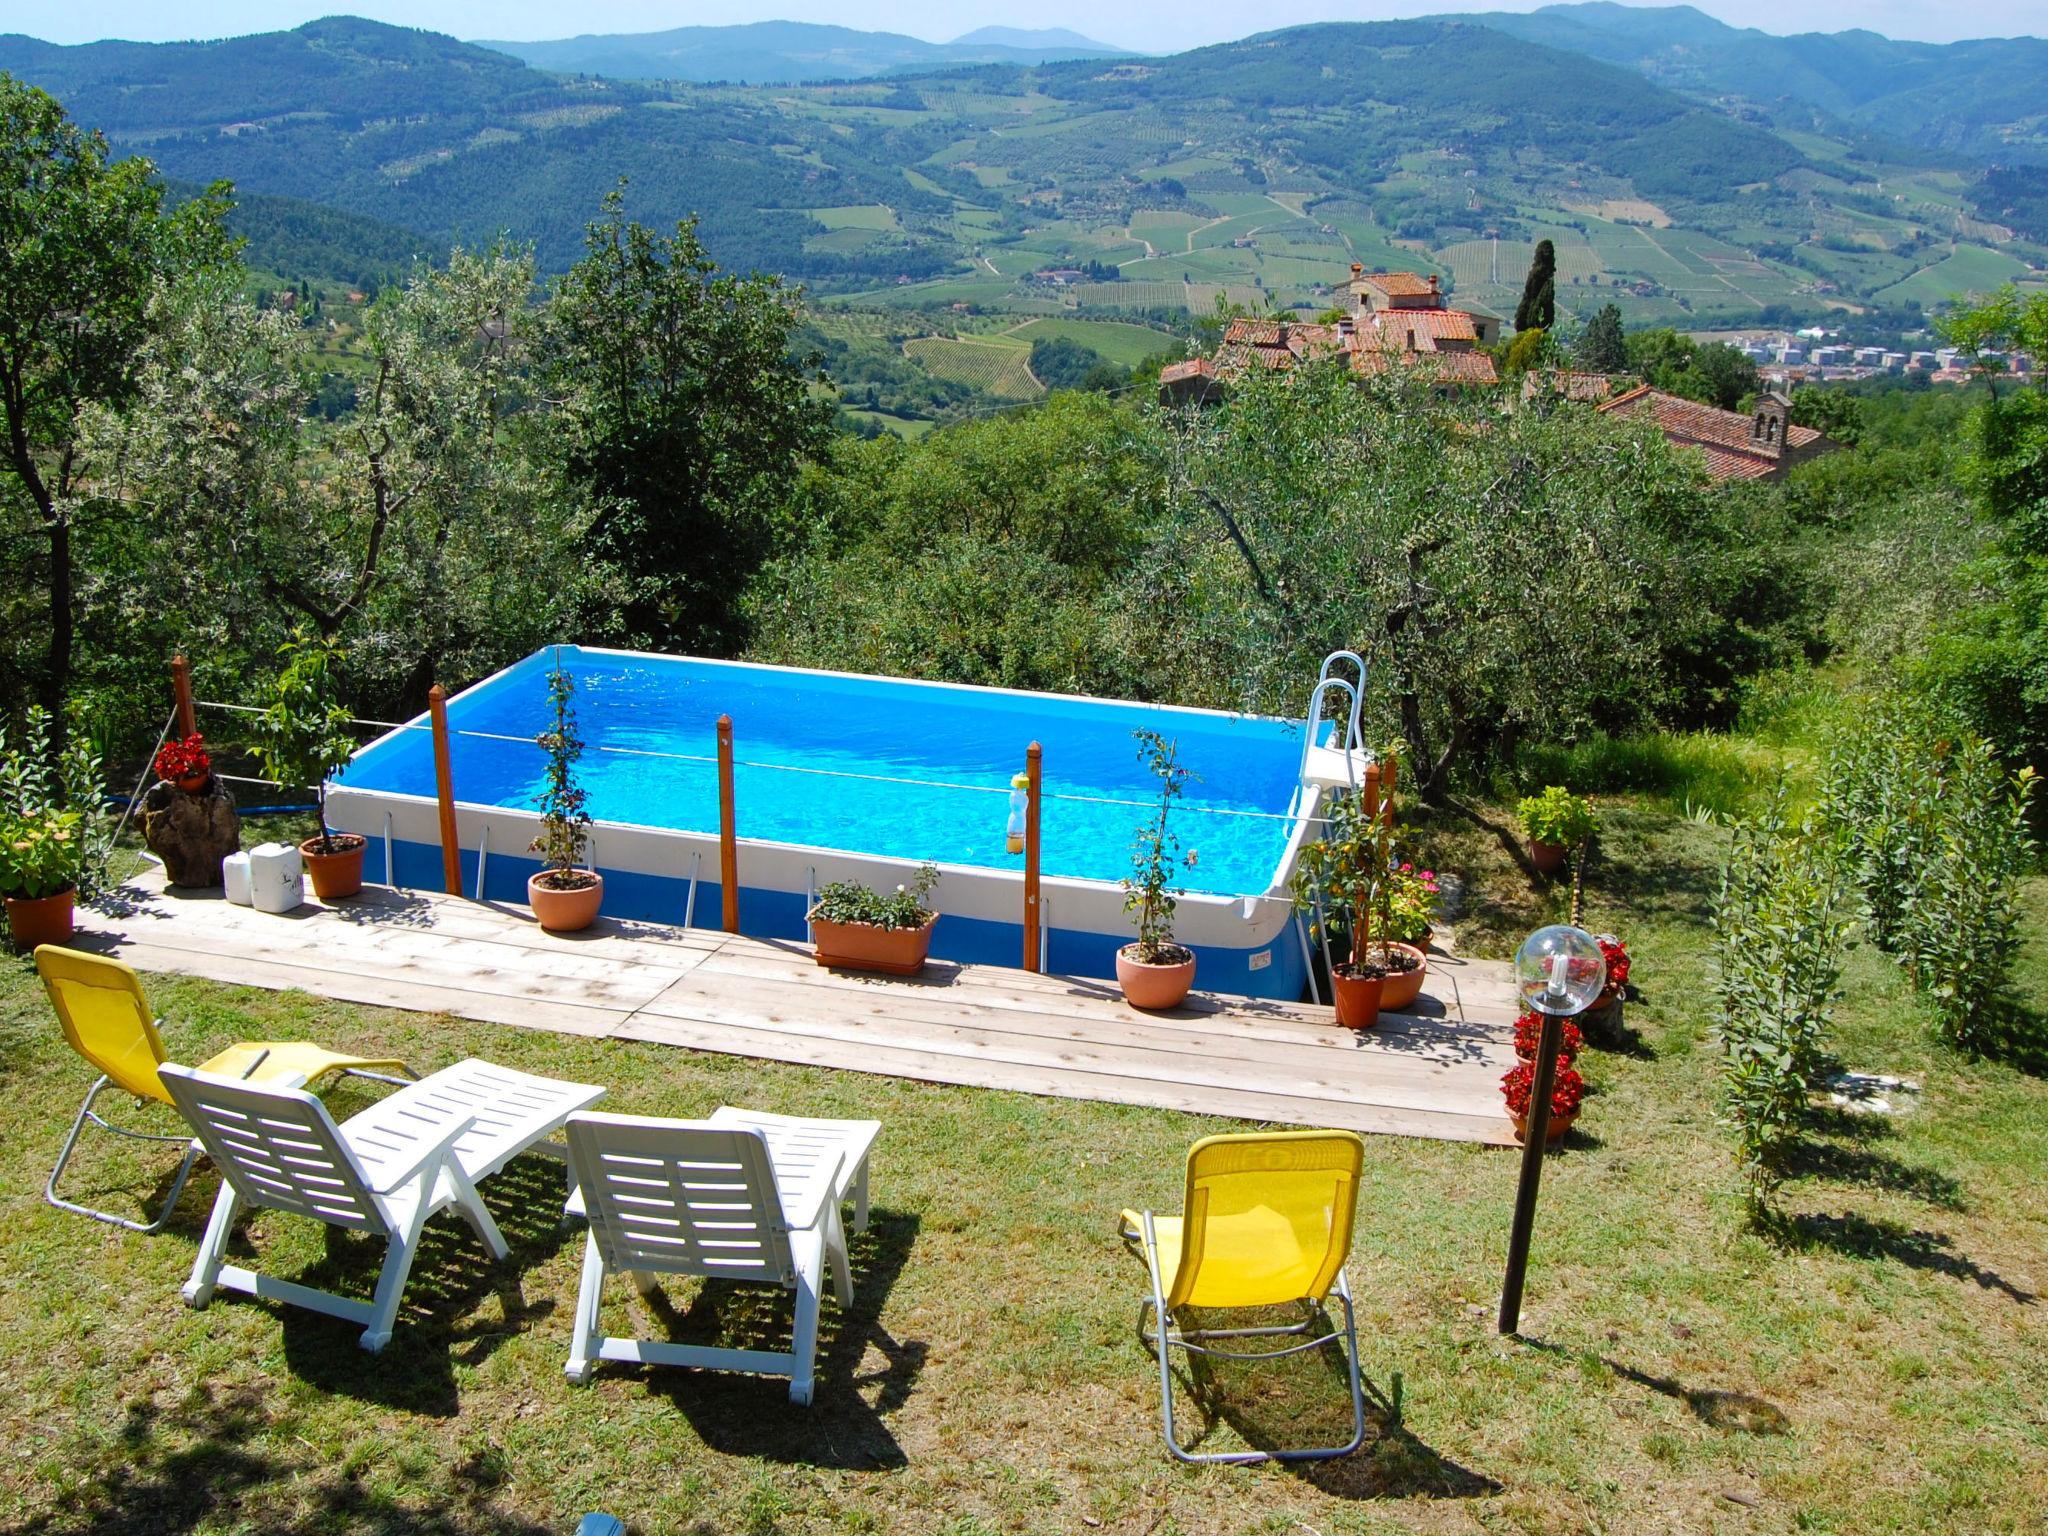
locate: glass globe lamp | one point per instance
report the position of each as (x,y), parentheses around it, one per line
(1560,970)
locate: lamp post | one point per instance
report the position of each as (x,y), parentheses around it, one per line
(1558,971)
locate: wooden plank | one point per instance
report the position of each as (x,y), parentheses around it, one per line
(971,1072)
(1381,1079)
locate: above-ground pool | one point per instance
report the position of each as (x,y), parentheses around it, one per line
(843,777)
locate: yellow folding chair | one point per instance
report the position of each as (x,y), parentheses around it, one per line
(1266,1223)
(109,1022)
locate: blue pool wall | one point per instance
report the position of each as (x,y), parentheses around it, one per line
(771,914)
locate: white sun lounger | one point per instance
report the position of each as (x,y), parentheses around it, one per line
(720,1198)
(385,1170)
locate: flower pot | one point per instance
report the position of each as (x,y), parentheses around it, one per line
(1547,857)
(339,873)
(34,920)
(1154,986)
(561,909)
(1358,998)
(1398,989)
(1559,1124)
(195,783)
(866,947)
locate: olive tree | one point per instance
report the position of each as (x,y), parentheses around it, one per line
(1502,573)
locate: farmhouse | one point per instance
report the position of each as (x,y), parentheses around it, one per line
(1760,446)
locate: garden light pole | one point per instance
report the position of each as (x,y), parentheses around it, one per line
(1559,971)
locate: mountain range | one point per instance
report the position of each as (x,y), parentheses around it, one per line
(780,52)
(1256,169)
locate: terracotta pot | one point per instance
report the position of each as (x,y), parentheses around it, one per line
(34,920)
(338,874)
(1559,1124)
(865,947)
(195,783)
(1547,857)
(1398,989)
(1153,986)
(1358,999)
(560,911)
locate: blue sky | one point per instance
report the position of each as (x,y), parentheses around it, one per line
(1159,25)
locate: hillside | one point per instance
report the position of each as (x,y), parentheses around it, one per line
(1982,99)
(784,51)
(927,212)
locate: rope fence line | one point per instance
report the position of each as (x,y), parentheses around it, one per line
(830,773)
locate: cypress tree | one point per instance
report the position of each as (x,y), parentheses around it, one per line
(1539,292)
(1601,347)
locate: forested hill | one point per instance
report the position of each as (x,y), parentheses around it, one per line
(764,51)
(1351,98)
(1986,98)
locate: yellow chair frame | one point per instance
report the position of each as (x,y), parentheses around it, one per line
(1266,1221)
(109,1022)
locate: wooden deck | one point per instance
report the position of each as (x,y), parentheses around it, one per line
(1435,1073)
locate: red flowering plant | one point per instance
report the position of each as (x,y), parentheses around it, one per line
(1529,1034)
(1411,903)
(1566,1090)
(183,759)
(1615,953)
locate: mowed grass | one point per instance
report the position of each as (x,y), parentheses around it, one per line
(1877,1368)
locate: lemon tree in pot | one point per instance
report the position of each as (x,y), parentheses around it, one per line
(1156,972)
(55,838)
(1556,822)
(303,737)
(1348,876)
(565,895)
(857,928)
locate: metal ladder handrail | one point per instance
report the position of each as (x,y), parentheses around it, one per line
(1357,731)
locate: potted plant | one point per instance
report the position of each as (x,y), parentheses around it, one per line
(565,895)
(185,763)
(1567,1088)
(856,928)
(55,840)
(1156,972)
(303,738)
(1412,897)
(1529,1037)
(1555,822)
(1615,953)
(1350,872)
(39,852)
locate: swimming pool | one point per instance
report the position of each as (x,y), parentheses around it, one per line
(841,776)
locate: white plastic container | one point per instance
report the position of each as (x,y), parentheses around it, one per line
(277,878)
(234,874)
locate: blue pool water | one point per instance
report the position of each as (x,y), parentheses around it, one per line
(873,726)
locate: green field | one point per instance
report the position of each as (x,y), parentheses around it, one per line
(1971,269)
(1001,369)
(1124,345)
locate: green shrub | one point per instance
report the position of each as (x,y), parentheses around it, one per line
(1778,939)
(1878,796)
(1688,770)
(54,830)
(1557,816)
(848,901)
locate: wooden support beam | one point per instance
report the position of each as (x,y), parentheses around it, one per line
(181,687)
(444,792)
(728,835)
(1034,764)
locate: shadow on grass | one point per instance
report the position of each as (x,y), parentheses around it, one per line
(1305,1400)
(2015,1035)
(1873,1169)
(439,1323)
(192,1465)
(1859,1237)
(863,1372)
(1742,1412)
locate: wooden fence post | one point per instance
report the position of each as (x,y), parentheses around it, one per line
(1034,763)
(728,837)
(444,789)
(181,686)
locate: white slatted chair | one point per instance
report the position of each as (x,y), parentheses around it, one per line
(683,1197)
(383,1171)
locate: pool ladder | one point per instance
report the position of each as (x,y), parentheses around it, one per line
(1305,793)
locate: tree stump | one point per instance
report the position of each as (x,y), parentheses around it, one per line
(191,833)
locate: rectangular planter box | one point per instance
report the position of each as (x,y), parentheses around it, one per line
(864,947)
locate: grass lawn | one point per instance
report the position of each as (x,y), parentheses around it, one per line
(1878,1366)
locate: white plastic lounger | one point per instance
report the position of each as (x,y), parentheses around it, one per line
(385,1170)
(696,1197)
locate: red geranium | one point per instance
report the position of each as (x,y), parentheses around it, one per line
(1529,1034)
(1566,1089)
(1616,954)
(184,759)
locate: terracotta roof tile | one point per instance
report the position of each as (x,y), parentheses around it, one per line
(1415,330)
(1399,285)
(1445,367)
